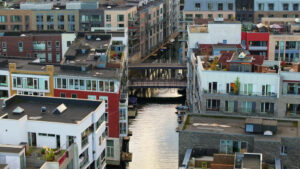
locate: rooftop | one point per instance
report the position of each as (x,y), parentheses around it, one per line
(236,125)
(76,110)
(10,149)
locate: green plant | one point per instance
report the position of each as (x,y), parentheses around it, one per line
(43,151)
(237,86)
(50,155)
(29,151)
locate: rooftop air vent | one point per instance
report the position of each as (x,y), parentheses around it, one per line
(18,110)
(108,7)
(98,39)
(60,109)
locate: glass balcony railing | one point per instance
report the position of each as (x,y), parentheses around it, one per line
(241,93)
(84,141)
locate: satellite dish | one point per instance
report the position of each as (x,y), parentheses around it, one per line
(268,133)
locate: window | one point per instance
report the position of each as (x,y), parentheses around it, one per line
(2,19)
(261,6)
(71,18)
(74,95)
(220,6)
(95,18)
(285,6)
(57,57)
(231,106)
(232,146)
(120,18)
(94,85)
(108,18)
(101,86)
(248,89)
(292,109)
(266,90)
(84,18)
(111,86)
(212,105)
(62,94)
(212,87)
(210,6)
(123,128)
(248,107)
(122,113)
(271,7)
(199,16)
(15,18)
(220,15)
(189,17)
(82,84)
(230,6)
(110,148)
(267,107)
(49,45)
(57,45)
(295,7)
(210,16)
(50,18)
(49,57)
(106,86)
(283,150)
(69,43)
(105,99)
(121,25)
(20,46)
(60,18)
(92,97)
(4,46)
(197,6)
(39,18)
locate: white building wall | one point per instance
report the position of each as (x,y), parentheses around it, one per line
(65,37)
(217,33)
(6,73)
(257,79)
(13,161)
(13,131)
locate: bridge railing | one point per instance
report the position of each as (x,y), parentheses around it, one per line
(157,83)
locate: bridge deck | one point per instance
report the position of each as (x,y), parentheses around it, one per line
(156,66)
(158,84)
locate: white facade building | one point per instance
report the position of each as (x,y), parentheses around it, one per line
(214,33)
(81,123)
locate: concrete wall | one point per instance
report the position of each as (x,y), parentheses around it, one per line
(65,37)
(217,33)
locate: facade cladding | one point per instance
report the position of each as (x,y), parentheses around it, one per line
(244,10)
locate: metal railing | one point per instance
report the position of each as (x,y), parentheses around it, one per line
(240,93)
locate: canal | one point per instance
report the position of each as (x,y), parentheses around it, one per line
(154,142)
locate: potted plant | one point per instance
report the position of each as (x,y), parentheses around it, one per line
(237,86)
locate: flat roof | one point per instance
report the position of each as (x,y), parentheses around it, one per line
(28,65)
(77,109)
(251,161)
(10,149)
(236,125)
(3,166)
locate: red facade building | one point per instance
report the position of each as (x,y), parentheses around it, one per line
(45,46)
(257,43)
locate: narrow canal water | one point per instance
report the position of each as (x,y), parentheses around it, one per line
(154,142)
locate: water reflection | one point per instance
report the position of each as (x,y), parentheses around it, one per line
(154,142)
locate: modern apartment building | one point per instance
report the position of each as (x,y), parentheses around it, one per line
(233,81)
(257,43)
(94,68)
(276,140)
(277,8)
(57,123)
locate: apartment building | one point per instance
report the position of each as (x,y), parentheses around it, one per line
(277,9)
(276,140)
(56,123)
(15,20)
(47,47)
(118,16)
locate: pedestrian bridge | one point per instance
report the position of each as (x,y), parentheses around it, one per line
(157,84)
(156,66)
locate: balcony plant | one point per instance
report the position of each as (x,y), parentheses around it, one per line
(237,86)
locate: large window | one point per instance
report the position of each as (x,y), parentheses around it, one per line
(16,18)
(210,6)
(108,18)
(231,106)
(248,107)
(248,89)
(230,6)
(2,19)
(232,146)
(292,109)
(271,6)
(295,7)
(110,148)
(261,6)
(122,114)
(220,6)
(120,18)
(267,107)
(212,105)
(122,128)
(197,6)
(293,88)
(285,6)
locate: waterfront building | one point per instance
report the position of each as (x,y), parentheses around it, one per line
(275,139)
(76,127)
(275,9)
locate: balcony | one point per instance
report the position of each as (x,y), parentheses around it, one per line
(84,141)
(239,93)
(35,155)
(83,161)
(258,48)
(123,100)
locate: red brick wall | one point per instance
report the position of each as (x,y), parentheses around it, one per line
(113,107)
